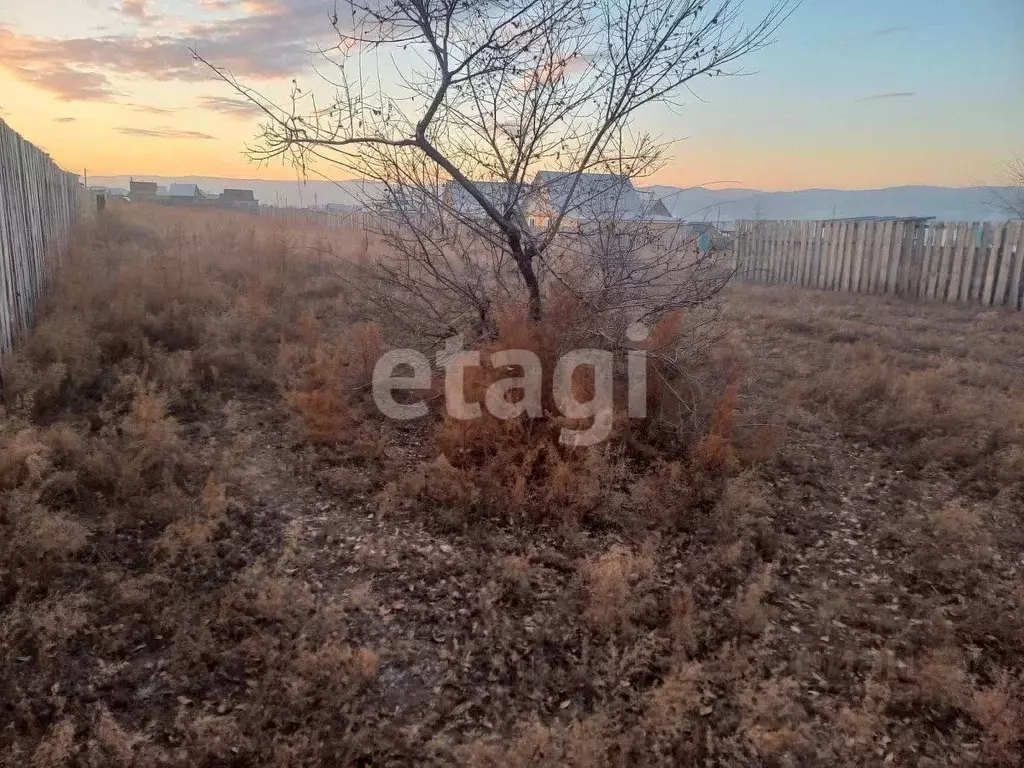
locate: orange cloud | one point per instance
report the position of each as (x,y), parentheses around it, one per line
(66,83)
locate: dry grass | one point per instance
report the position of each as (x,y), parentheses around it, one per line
(215,552)
(612,583)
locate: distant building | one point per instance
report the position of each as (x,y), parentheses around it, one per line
(502,195)
(238,196)
(590,197)
(243,199)
(652,206)
(110,193)
(184,194)
(142,191)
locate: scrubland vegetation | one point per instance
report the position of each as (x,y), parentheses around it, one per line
(216,552)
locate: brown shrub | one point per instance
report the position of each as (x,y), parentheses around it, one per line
(515,578)
(999,710)
(332,671)
(57,748)
(193,535)
(580,744)
(942,680)
(670,728)
(610,584)
(517,471)
(939,413)
(750,611)
(771,715)
(324,383)
(36,540)
(24,460)
(150,454)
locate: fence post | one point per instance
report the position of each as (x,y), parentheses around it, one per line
(992,273)
(1015,299)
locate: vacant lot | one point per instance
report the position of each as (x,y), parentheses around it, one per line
(215,553)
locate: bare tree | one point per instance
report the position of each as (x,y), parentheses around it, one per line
(1012,200)
(452,106)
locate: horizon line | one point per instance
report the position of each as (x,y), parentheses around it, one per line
(681,188)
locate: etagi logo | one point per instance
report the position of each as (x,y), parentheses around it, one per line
(455,359)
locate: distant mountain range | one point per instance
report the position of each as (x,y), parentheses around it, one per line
(944,203)
(693,203)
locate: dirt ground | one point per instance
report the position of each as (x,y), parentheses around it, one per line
(191,580)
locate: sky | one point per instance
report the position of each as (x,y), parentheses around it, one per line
(852,95)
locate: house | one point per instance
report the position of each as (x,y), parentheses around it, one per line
(110,193)
(238,196)
(654,207)
(596,197)
(142,191)
(243,199)
(503,195)
(184,194)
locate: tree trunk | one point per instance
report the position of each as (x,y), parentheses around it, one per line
(524,260)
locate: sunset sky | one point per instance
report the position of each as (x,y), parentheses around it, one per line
(853,95)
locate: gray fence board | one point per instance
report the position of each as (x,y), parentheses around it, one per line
(38,204)
(963,261)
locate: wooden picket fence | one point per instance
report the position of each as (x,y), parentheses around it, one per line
(980,263)
(39,201)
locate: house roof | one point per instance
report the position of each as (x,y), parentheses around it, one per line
(183,190)
(654,206)
(148,187)
(501,194)
(597,196)
(238,196)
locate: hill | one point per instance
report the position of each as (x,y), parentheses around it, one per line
(947,203)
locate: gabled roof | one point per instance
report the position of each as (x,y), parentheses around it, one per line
(653,206)
(145,187)
(501,194)
(183,190)
(605,196)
